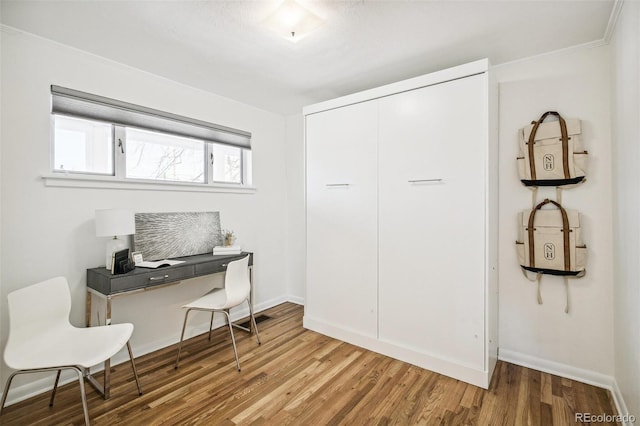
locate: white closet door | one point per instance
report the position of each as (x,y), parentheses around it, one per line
(433,144)
(342,218)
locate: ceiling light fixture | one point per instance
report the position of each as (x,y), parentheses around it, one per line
(292,21)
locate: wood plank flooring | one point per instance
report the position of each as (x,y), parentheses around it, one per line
(298,377)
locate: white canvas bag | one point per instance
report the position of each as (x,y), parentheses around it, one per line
(550,242)
(551,154)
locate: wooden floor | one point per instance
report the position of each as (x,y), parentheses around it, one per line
(303,378)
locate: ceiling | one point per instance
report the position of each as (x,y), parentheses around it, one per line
(220,46)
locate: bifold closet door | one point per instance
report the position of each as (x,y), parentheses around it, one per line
(341,149)
(433,150)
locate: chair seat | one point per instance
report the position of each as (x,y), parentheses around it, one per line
(237,290)
(215,299)
(67,346)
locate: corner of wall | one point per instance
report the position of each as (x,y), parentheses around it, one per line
(613,20)
(567,371)
(1,143)
(295,245)
(625,59)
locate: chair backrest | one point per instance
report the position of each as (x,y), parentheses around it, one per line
(236,282)
(39,306)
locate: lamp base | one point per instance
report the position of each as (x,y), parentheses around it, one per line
(113,245)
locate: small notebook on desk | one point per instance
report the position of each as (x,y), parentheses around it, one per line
(158,263)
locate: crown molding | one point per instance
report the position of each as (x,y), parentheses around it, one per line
(613,20)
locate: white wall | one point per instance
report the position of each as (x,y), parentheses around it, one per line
(575,83)
(50,231)
(295,161)
(626,161)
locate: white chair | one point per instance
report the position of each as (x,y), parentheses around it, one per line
(237,287)
(42,339)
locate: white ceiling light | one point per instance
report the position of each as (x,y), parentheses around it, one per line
(292,21)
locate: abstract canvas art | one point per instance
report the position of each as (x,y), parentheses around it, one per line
(168,235)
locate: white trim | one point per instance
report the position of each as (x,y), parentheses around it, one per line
(567,371)
(563,370)
(298,300)
(564,50)
(613,20)
(618,399)
(461,71)
(68,180)
(439,365)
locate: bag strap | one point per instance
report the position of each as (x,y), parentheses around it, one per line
(566,289)
(564,139)
(565,232)
(534,196)
(538,281)
(559,194)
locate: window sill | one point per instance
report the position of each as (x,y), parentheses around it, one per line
(67,180)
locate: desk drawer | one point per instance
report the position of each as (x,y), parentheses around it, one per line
(212,267)
(152,278)
(215,266)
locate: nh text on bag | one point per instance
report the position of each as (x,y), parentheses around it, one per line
(551,154)
(550,241)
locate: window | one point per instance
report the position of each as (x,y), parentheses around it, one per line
(158,156)
(83,146)
(94,135)
(227,164)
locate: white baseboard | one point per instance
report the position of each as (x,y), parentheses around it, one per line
(567,371)
(295,299)
(45,384)
(431,362)
(618,399)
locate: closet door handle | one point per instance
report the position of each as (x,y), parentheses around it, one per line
(424,180)
(334,185)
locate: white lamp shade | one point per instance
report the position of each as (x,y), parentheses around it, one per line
(112,222)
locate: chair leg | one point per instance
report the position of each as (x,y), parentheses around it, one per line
(133,367)
(184,326)
(253,320)
(211,325)
(233,339)
(55,387)
(6,389)
(84,396)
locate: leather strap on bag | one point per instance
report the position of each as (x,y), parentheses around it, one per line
(565,234)
(565,144)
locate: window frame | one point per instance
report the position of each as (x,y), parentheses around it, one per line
(211,160)
(119,179)
(52,152)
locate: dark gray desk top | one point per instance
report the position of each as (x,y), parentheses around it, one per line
(102,281)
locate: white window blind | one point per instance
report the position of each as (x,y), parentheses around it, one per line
(86,105)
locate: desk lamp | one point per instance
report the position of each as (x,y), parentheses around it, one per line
(111,223)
